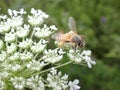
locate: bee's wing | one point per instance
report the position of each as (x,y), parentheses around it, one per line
(72,24)
(57,36)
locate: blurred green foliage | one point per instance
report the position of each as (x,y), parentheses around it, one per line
(99,21)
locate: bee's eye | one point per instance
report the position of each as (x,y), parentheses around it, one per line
(80,44)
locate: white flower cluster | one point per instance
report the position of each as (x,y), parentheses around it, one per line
(22,32)
(24,58)
(18,82)
(2,85)
(35,65)
(39,47)
(56,80)
(53,56)
(81,57)
(37,17)
(45,31)
(35,83)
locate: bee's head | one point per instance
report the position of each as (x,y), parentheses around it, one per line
(78,40)
(81,43)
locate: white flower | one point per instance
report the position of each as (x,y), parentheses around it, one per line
(16,67)
(10,37)
(53,71)
(4,27)
(25,43)
(44,32)
(16,18)
(10,12)
(14,56)
(86,52)
(11,67)
(39,47)
(74,85)
(3,17)
(35,83)
(56,81)
(1,44)
(23,31)
(22,11)
(53,56)
(35,65)
(15,13)
(11,48)
(7,66)
(37,17)
(79,57)
(4,74)
(75,56)
(2,85)
(18,82)
(86,56)
(53,27)
(89,61)
(26,55)
(15,21)
(3,55)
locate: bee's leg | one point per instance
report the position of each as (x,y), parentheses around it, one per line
(74,46)
(60,44)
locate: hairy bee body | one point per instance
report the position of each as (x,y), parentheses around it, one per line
(71,37)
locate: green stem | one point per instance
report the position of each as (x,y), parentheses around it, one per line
(56,67)
(50,68)
(32,34)
(35,55)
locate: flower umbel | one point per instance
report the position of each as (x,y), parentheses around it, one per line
(23,31)
(39,47)
(44,32)
(37,17)
(35,83)
(35,65)
(53,56)
(81,57)
(18,82)
(56,81)
(2,85)
(26,61)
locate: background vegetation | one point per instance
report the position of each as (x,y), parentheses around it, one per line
(99,21)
